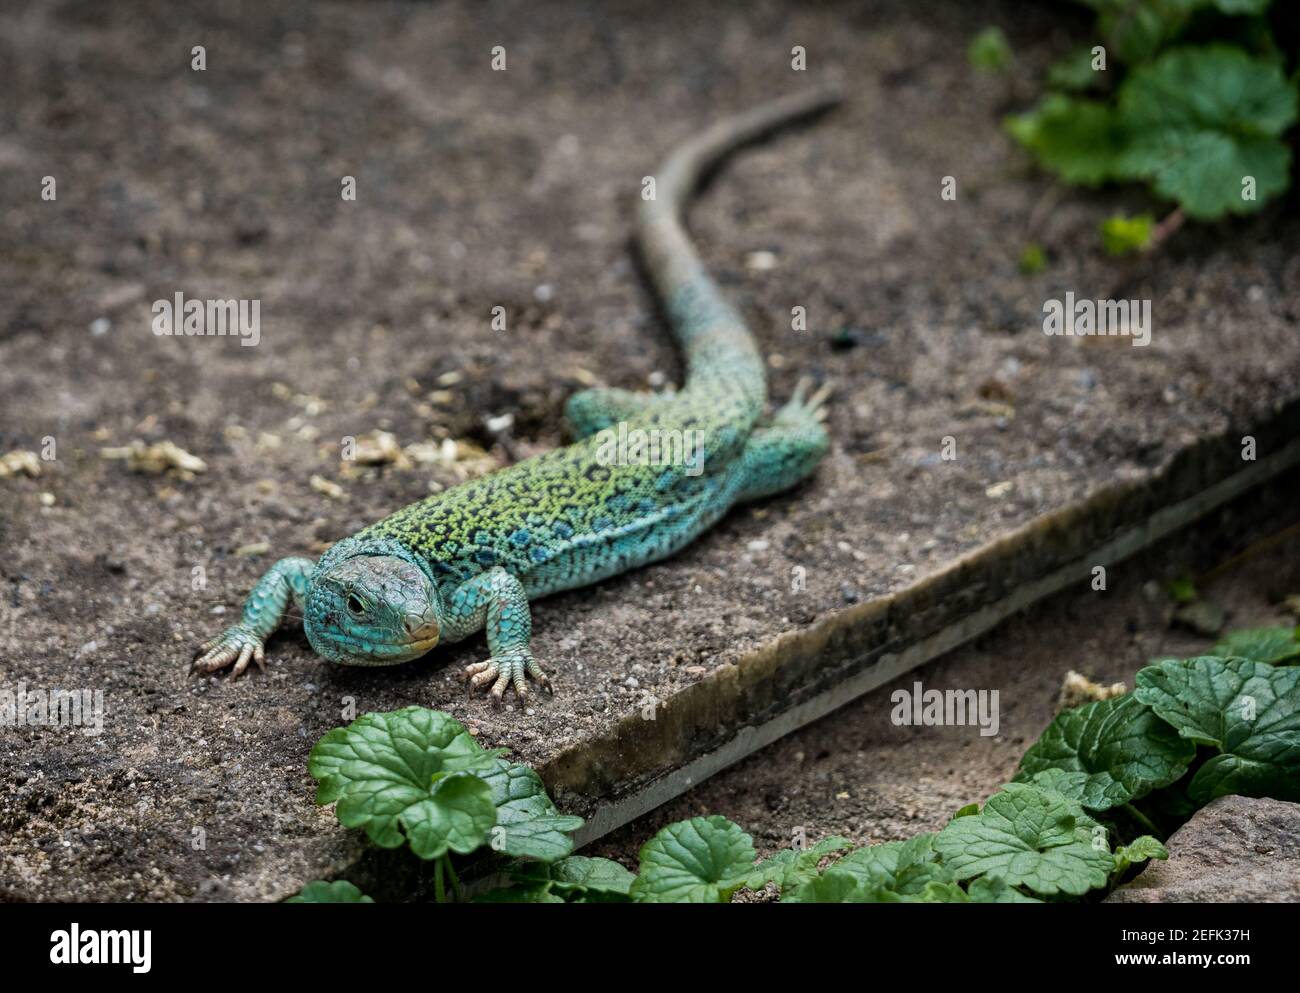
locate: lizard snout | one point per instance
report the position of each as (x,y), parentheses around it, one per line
(422,627)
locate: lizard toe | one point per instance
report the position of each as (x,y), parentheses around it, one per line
(481,674)
(241,663)
(499,688)
(535,670)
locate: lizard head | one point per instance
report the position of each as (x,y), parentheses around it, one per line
(372,610)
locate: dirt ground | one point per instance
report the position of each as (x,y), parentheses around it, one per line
(859,775)
(479,189)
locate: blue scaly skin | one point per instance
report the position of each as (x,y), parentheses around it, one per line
(473,557)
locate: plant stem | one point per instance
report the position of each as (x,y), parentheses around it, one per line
(439,892)
(1142,819)
(1167,225)
(455,880)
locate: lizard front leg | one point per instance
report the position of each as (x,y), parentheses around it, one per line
(495,600)
(263,610)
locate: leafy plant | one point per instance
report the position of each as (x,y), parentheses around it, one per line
(1203,124)
(1280,644)
(1194,729)
(1121,748)
(417,777)
(703,860)
(1247,712)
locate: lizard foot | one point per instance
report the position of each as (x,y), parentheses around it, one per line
(507,669)
(235,645)
(815,404)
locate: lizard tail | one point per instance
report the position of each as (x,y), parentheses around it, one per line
(723,362)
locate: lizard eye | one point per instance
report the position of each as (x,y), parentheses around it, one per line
(355,604)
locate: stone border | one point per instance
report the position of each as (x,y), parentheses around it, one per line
(803,675)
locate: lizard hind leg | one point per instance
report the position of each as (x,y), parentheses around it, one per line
(785,448)
(602,407)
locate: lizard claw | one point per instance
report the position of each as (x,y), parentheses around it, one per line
(505,670)
(235,646)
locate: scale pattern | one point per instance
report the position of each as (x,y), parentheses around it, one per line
(581,513)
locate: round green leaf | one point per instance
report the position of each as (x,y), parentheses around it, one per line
(1079,140)
(528,823)
(1201,120)
(1122,746)
(579,872)
(405,776)
(1030,838)
(703,860)
(905,867)
(1249,711)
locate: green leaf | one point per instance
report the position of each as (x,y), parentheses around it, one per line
(1141,849)
(995,889)
(1272,645)
(579,872)
(1075,71)
(1079,140)
(1090,791)
(1136,29)
(905,867)
(1122,235)
(833,886)
(1116,742)
(703,860)
(1248,711)
(1202,120)
(1183,590)
(576,879)
(320,891)
(990,51)
(1029,837)
(790,867)
(543,838)
(1033,259)
(528,823)
(403,776)
(939,893)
